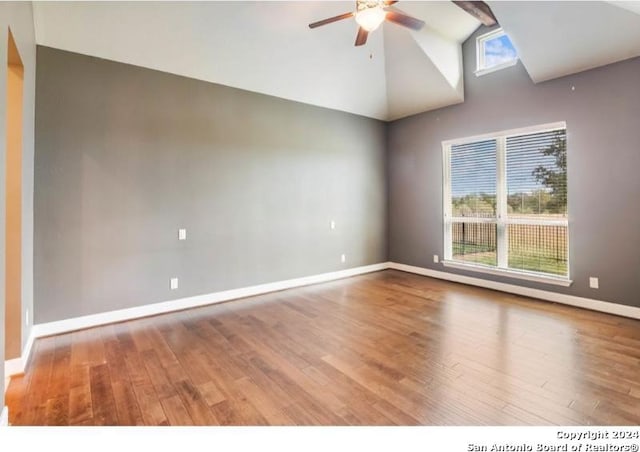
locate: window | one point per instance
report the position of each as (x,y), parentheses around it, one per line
(495,51)
(505,203)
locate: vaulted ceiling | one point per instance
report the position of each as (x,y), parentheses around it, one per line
(561,38)
(267,46)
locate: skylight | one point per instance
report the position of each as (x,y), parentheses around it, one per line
(495,51)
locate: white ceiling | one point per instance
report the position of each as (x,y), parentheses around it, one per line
(561,38)
(267,47)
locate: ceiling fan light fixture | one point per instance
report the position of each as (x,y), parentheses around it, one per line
(369,14)
(371,18)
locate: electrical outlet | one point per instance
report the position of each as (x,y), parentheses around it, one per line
(436,259)
(594,283)
(343,258)
(332,225)
(173,284)
(182,234)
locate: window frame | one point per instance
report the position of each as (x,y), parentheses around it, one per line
(501,220)
(481,68)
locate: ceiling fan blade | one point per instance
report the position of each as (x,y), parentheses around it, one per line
(330,20)
(404,20)
(479,10)
(361,39)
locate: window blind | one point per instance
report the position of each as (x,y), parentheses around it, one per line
(537,199)
(507,201)
(537,174)
(473,179)
(473,195)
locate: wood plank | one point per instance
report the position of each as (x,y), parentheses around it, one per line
(176,411)
(37,391)
(387,348)
(195,404)
(80,405)
(127,408)
(152,410)
(146,396)
(15,397)
(157,375)
(102,401)
(264,402)
(57,411)
(210,392)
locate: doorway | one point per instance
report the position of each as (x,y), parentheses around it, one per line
(13,193)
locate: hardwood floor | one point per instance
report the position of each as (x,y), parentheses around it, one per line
(380,349)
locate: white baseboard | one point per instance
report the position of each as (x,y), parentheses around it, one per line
(13,366)
(4,417)
(77,323)
(587,303)
(17,366)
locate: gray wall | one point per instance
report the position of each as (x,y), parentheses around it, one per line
(603,127)
(19,17)
(125,156)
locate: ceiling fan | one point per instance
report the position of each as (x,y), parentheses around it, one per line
(369,14)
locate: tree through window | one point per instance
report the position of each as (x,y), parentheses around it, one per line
(506,201)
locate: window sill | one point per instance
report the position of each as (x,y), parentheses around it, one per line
(498,67)
(557,281)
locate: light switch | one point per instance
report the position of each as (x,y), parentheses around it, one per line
(182,234)
(332,225)
(173,283)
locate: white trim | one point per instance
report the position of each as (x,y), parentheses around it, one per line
(65,326)
(497,67)
(509,273)
(481,69)
(446,200)
(541,128)
(13,367)
(571,300)
(502,235)
(26,352)
(4,417)
(479,220)
(538,222)
(77,323)
(17,366)
(501,219)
